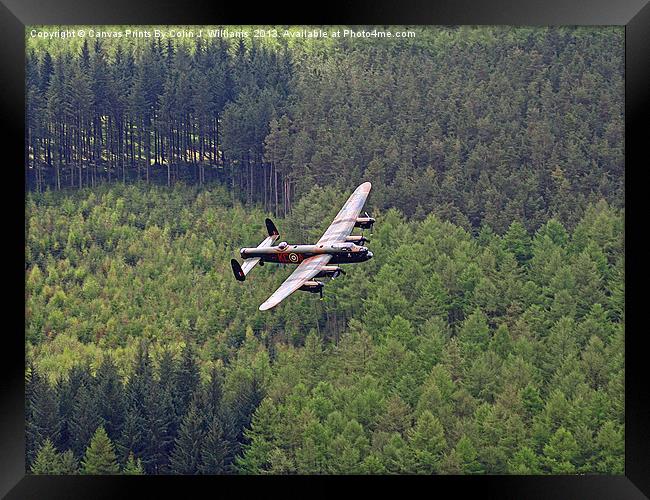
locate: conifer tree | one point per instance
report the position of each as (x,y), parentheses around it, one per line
(257,453)
(68,463)
(158,421)
(110,398)
(186,381)
(47,459)
(85,417)
(215,450)
(427,443)
(560,452)
(100,455)
(132,438)
(518,242)
(186,455)
(41,412)
(474,334)
(133,466)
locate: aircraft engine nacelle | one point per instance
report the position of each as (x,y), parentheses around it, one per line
(330,272)
(364,222)
(357,239)
(313,286)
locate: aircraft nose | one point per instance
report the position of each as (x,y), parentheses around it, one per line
(369,254)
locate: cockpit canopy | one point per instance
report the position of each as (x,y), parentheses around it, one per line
(283,245)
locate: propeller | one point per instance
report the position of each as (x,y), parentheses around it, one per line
(338,273)
(321,293)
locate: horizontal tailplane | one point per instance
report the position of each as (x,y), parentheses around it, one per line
(240,271)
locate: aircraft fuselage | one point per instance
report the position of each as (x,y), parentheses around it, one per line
(342,253)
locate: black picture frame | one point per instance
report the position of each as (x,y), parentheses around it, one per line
(16,14)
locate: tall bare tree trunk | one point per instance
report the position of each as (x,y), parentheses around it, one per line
(276,191)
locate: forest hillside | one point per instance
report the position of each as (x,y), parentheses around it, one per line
(478,125)
(485,336)
(446,353)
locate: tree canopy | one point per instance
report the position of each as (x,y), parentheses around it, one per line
(486,336)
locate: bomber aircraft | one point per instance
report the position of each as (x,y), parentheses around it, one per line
(336,246)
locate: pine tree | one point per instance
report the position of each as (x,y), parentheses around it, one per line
(47,459)
(524,461)
(110,400)
(137,433)
(257,453)
(66,393)
(501,343)
(467,456)
(158,420)
(186,456)
(427,443)
(41,413)
(474,335)
(432,299)
(85,418)
(100,455)
(215,450)
(372,464)
(213,397)
(247,400)
(133,466)
(132,439)
(68,463)
(400,329)
(186,381)
(610,458)
(396,417)
(518,242)
(561,452)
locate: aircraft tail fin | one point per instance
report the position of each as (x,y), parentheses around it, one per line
(239,273)
(270,227)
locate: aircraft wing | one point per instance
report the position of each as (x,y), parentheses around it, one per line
(307,269)
(343,223)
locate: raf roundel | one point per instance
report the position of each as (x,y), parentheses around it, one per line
(293,257)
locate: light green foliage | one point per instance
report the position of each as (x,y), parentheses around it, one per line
(610,443)
(467,456)
(443,354)
(474,335)
(524,461)
(560,453)
(100,455)
(517,241)
(133,467)
(427,441)
(49,461)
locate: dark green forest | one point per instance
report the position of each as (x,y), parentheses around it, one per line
(486,336)
(473,124)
